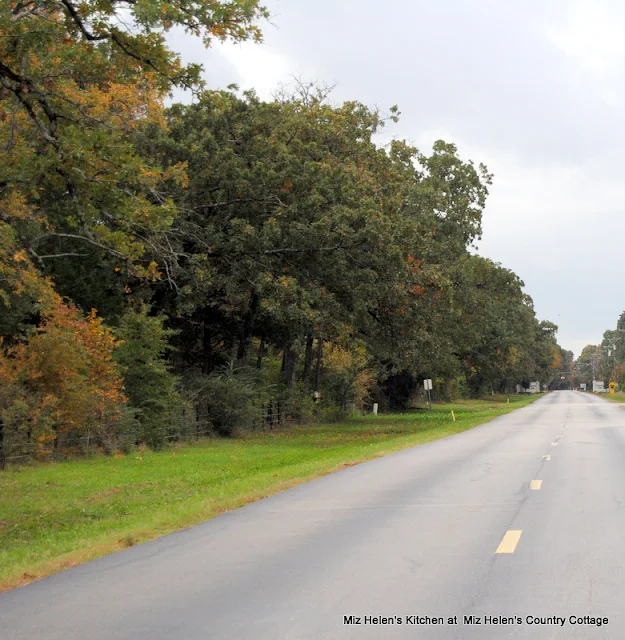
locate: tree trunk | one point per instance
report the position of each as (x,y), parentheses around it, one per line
(319,361)
(308,358)
(248,326)
(289,366)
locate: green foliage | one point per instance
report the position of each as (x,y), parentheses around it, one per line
(76,80)
(286,252)
(227,401)
(148,381)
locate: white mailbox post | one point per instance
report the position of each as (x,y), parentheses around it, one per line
(427,384)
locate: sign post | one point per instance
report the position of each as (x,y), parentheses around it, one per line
(427,384)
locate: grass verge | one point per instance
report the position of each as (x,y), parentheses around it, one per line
(618,396)
(55,516)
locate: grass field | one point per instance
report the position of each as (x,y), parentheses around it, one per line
(54,516)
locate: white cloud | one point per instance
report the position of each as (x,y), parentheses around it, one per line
(257,66)
(592,33)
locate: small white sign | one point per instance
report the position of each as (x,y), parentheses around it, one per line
(427,384)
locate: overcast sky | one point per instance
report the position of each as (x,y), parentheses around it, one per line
(536,90)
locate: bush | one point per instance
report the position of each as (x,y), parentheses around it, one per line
(347,378)
(227,400)
(60,385)
(148,382)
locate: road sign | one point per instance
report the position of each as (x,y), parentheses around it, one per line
(427,383)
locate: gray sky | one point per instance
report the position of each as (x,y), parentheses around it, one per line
(535,90)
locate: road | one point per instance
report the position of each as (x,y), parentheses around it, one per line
(411,535)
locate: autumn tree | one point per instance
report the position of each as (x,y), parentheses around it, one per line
(76,79)
(59,387)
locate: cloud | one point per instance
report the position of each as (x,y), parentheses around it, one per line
(258,66)
(592,33)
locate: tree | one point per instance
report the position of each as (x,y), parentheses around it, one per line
(290,217)
(60,386)
(148,381)
(76,79)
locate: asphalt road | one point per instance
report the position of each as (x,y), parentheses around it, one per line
(411,535)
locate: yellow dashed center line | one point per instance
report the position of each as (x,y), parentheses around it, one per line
(535,485)
(554,444)
(546,457)
(509,541)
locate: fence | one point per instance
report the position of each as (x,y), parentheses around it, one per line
(188,424)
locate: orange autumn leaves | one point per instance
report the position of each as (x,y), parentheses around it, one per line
(414,265)
(61,381)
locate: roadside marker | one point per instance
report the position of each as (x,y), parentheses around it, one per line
(535,485)
(509,542)
(453,415)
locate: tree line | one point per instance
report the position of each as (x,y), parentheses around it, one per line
(605,361)
(228,264)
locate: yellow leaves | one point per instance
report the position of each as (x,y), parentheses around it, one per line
(556,358)
(20,256)
(14,205)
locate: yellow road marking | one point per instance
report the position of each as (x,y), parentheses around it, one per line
(554,444)
(509,541)
(535,485)
(546,457)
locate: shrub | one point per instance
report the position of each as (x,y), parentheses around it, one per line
(60,385)
(148,382)
(227,400)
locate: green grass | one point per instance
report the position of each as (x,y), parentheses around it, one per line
(54,516)
(618,396)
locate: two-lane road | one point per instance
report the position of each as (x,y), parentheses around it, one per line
(523,516)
